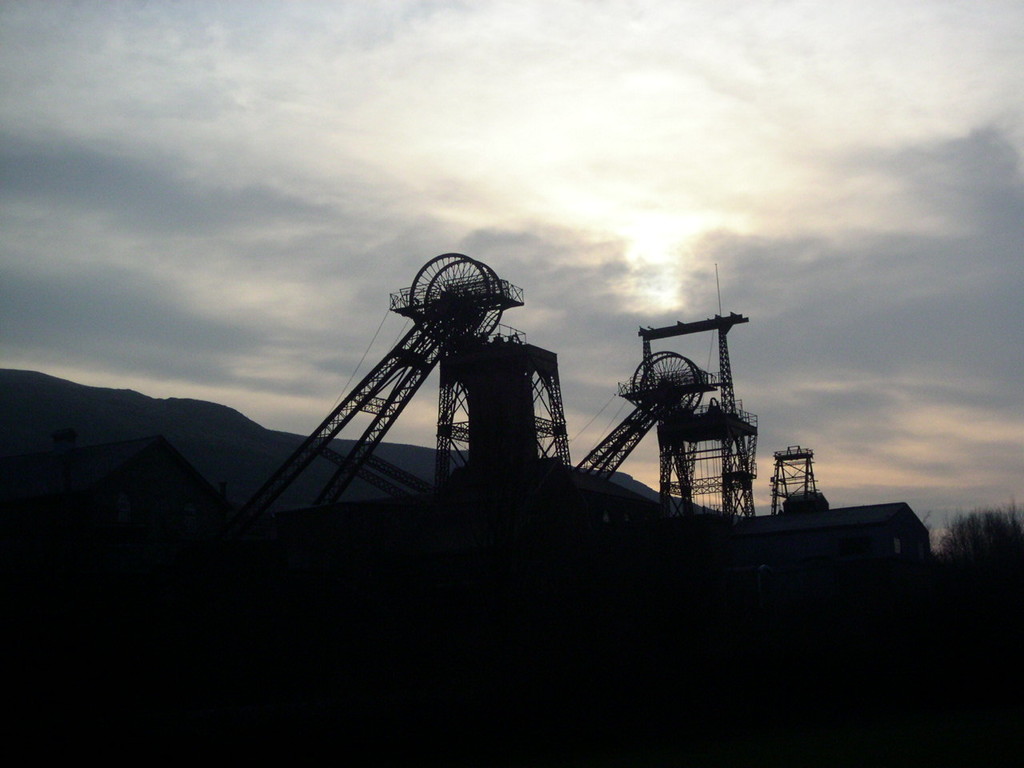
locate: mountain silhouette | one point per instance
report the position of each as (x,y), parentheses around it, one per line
(222,444)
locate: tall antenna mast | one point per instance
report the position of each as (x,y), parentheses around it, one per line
(718,288)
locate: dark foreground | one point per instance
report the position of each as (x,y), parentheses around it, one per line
(509,668)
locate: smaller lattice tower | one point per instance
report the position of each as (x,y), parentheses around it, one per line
(794,489)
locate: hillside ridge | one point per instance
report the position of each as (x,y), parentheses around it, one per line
(222,443)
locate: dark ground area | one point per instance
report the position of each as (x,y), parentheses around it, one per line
(512,667)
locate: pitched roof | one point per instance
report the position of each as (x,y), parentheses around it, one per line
(872,514)
(43,474)
(598,484)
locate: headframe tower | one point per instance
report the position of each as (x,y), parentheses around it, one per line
(454,303)
(707,453)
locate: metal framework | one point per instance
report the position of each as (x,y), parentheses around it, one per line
(664,383)
(453,301)
(794,488)
(512,392)
(707,453)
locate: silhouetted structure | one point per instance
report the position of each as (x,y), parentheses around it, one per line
(511,390)
(663,384)
(794,488)
(860,554)
(454,301)
(516,592)
(504,485)
(117,507)
(707,453)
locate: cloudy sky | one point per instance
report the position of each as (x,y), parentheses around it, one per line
(215,200)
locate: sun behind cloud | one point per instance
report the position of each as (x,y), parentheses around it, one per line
(660,252)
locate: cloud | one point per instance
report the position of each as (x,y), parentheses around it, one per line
(156,246)
(893,350)
(893,300)
(136,194)
(116,319)
(218,200)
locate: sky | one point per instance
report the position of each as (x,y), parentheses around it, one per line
(215,200)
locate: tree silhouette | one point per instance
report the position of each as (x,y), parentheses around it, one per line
(986,542)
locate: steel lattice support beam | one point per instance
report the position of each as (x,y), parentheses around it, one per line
(384,416)
(383,475)
(365,398)
(707,461)
(452,436)
(511,390)
(608,455)
(552,435)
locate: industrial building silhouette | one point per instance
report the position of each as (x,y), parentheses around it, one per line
(504,477)
(517,587)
